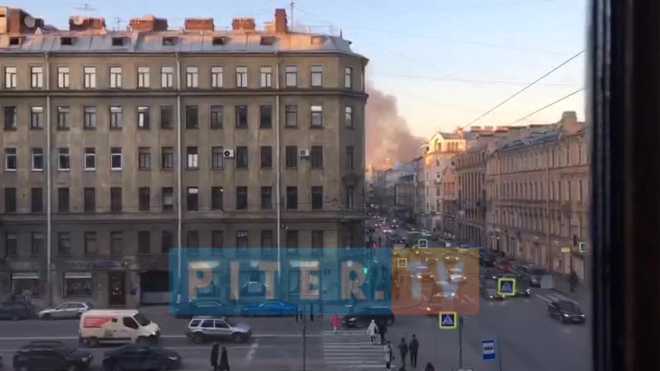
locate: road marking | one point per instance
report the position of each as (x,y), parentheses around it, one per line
(253,349)
(37,338)
(104,349)
(543,298)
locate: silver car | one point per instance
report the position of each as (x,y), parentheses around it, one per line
(202,328)
(70,309)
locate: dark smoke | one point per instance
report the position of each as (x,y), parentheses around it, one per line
(388,134)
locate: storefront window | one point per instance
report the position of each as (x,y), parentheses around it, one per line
(77,284)
(25,283)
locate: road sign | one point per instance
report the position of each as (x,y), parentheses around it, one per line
(566,249)
(447,320)
(488,349)
(583,247)
(506,286)
(402,263)
(423,243)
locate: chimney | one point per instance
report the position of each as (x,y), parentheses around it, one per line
(244,24)
(280,21)
(17,21)
(569,122)
(199,24)
(148,23)
(82,23)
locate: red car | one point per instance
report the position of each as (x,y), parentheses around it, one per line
(504,265)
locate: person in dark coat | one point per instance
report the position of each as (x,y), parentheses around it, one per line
(429,367)
(214,356)
(403,350)
(382,330)
(413,346)
(224,361)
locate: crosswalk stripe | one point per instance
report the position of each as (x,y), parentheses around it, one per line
(544,298)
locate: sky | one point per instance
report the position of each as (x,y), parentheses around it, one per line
(445,61)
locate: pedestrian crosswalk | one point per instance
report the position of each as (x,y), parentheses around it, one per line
(550,297)
(352,350)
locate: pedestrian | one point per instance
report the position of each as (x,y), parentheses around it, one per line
(372,330)
(382,330)
(389,355)
(224,360)
(429,367)
(403,350)
(335,322)
(573,280)
(413,346)
(214,356)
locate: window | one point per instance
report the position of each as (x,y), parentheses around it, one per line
(267,241)
(348,77)
(64,243)
(292,198)
(241,117)
(63,200)
(169,41)
(37,159)
(144,198)
(217,157)
(348,117)
(266,77)
(166,114)
(317,75)
(115,77)
(317,197)
(37,200)
(191,117)
(115,199)
(265,116)
(317,116)
(217,241)
(116,243)
(266,198)
(216,76)
(192,77)
(116,117)
(167,194)
(350,202)
(217,199)
(242,242)
(37,77)
(266,156)
(10,77)
(10,200)
(317,241)
(89,118)
(292,241)
(241,157)
(89,77)
(167,77)
(144,158)
(89,159)
(63,78)
(291,76)
(167,157)
(192,199)
(11,244)
(115,159)
(241,198)
(241,77)
(37,243)
(90,243)
(580,190)
(143,120)
(89,196)
(143,77)
(10,117)
(317,157)
(63,118)
(167,241)
(144,242)
(349,156)
(291,156)
(193,158)
(291,115)
(216,117)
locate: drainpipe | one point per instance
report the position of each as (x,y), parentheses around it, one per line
(49,223)
(547,208)
(179,170)
(278,177)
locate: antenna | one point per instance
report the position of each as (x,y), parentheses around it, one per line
(86,8)
(118,22)
(293,2)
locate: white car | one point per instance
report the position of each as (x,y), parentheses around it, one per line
(70,309)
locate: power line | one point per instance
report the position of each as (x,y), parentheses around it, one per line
(503,82)
(523,89)
(549,105)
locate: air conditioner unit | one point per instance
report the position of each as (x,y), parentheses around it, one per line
(228,153)
(304,153)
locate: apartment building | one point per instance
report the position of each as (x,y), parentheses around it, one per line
(119,145)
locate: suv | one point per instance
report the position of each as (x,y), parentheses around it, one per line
(202,328)
(51,355)
(16,310)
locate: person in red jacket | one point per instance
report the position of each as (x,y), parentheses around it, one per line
(335,322)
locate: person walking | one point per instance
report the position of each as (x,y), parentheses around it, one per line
(371,330)
(382,330)
(389,355)
(429,367)
(403,350)
(573,280)
(335,322)
(413,346)
(214,356)
(224,360)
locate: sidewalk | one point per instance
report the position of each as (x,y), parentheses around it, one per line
(581,294)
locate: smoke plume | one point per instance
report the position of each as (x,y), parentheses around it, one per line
(388,134)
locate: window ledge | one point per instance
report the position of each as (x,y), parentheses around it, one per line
(10,129)
(316,127)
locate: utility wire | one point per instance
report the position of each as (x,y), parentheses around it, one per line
(549,105)
(481,81)
(523,89)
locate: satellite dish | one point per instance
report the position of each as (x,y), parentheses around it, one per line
(29,22)
(78,20)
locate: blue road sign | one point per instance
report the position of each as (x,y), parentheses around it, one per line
(488,349)
(447,320)
(506,286)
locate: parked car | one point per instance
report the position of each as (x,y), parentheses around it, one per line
(16,309)
(137,357)
(202,328)
(73,309)
(203,307)
(488,290)
(269,308)
(566,311)
(118,325)
(533,274)
(51,355)
(504,265)
(363,316)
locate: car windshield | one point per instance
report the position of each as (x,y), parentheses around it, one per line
(141,319)
(569,307)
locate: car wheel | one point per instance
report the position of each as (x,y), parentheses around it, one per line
(236,337)
(93,342)
(142,340)
(72,368)
(550,313)
(163,367)
(15,317)
(561,318)
(47,316)
(198,338)
(78,316)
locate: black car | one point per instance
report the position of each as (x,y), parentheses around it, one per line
(203,307)
(533,274)
(51,355)
(16,310)
(566,311)
(137,357)
(363,316)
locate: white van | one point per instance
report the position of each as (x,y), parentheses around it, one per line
(116,326)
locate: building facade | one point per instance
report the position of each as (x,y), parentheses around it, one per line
(119,145)
(448,204)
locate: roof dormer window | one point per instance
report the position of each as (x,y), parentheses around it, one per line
(14,41)
(267,40)
(169,41)
(117,41)
(219,40)
(66,41)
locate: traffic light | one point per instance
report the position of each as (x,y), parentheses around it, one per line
(365,270)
